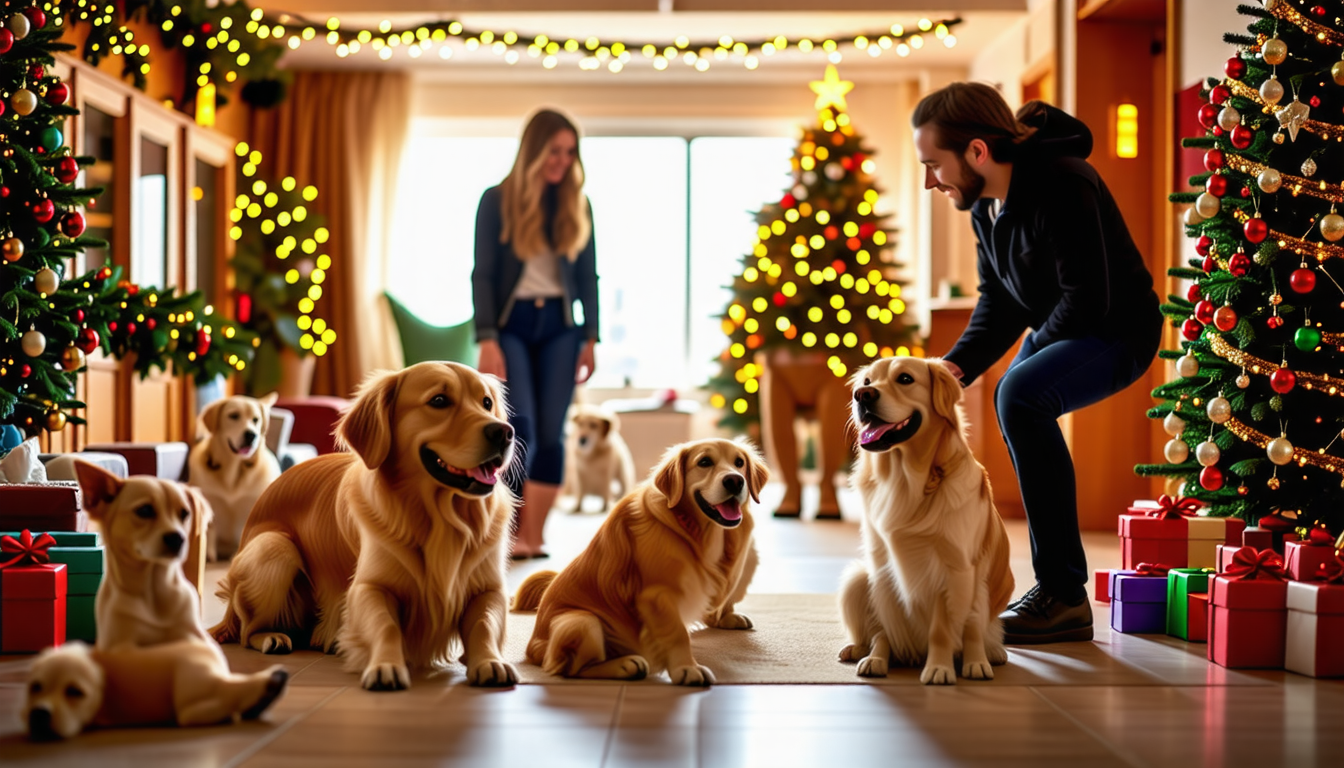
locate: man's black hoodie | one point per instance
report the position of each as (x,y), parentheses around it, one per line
(1058,258)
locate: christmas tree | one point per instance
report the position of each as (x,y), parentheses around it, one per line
(49,323)
(820,275)
(1255,412)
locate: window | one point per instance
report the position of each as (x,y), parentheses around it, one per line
(672,218)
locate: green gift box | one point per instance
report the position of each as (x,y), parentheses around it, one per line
(79,620)
(82,583)
(1181,583)
(66,538)
(78,559)
(82,554)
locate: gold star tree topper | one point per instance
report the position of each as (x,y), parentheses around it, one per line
(831,90)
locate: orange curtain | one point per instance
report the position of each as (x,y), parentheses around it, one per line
(344,133)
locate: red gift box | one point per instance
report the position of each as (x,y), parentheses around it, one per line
(1167,531)
(1249,612)
(1257,537)
(32,595)
(1315,630)
(1198,621)
(42,507)
(1303,560)
(1101,585)
(167,461)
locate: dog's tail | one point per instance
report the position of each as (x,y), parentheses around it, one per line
(531,590)
(228,628)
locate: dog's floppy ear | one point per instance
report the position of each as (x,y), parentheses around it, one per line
(366,428)
(202,514)
(946,391)
(98,486)
(670,477)
(758,474)
(210,416)
(268,401)
(610,423)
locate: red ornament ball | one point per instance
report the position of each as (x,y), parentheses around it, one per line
(202,343)
(79,315)
(6,41)
(1282,381)
(778,299)
(788,200)
(1208,116)
(1192,293)
(57,94)
(72,224)
(1220,94)
(1274,321)
(4,191)
(112,326)
(1225,319)
(1204,312)
(1318,10)
(44,210)
(1213,160)
(1256,230)
(25,371)
(1302,280)
(1203,244)
(104,273)
(1211,478)
(1210,265)
(65,170)
(1218,130)
(130,328)
(1242,137)
(1191,329)
(151,323)
(36,72)
(1235,68)
(35,16)
(1314,101)
(87,341)
(1240,263)
(1245,191)
(1216,185)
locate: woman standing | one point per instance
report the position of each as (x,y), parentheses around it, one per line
(534,258)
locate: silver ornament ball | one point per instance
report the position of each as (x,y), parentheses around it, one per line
(1229,118)
(1271,90)
(1269,181)
(1192,217)
(1280,450)
(33,343)
(1187,365)
(1243,381)
(1219,410)
(1176,451)
(1207,205)
(1173,425)
(1207,453)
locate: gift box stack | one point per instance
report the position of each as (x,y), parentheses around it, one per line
(32,594)
(82,554)
(1314,636)
(1168,532)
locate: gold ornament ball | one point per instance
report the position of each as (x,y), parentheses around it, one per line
(18,24)
(55,421)
(1273,483)
(1176,451)
(1272,90)
(1242,490)
(33,343)
(1276,299)
(1192,217)
(1243,381)
(1332,227)
(1269,181)
(1207,205)
(72,358)
(46,281)
(1275,51)
(1278,138)
(1173,425)
(1337,72)
(1280,450)
(24,101)
(12,249)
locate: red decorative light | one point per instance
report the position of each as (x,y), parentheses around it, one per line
(853,243)
(25,371)
(867,229)
(1314,101)
(778,299)
(787,200)
(839,266)
(831,232)
(1302,280)
(1282,381)
(151,323)
(244,308)
(130,328)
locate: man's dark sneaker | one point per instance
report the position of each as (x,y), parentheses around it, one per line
(1029,595)
(1038,617)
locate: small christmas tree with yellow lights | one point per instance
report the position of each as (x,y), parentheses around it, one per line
(820,276)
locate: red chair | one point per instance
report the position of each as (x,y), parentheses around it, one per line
(315,418)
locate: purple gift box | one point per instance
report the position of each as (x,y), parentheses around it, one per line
(1138,603)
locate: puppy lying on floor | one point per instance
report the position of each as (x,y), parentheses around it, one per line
(232,466)
(676,551)
(935,574)
(183,683)
(597,457)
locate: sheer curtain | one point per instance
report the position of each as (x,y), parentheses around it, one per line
(345,132)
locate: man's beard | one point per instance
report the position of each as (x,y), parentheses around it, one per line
(972,186)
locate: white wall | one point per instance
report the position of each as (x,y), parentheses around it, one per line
(1203,24)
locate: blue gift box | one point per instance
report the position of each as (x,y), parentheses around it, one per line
(1138,603)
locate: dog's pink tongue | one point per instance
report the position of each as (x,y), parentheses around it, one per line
(870,434)
(482,475)
(729,510)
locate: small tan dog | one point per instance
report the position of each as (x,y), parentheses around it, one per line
(394,552)
(148,529)
(185,682)
(597,456)
(676,551)
(935,574)
(232,466)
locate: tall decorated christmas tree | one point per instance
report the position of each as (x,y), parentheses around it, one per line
(1257,406)
(820,276)
(49,318)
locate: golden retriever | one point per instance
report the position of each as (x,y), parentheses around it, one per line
(935,573)
(394,553)
(232,466)
(150,527)
(676,551)
(597,456)
(185,682)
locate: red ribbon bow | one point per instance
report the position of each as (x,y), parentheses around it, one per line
(1318,536)
(1153,569)
(1248,563)
(1169,508)
(26,550)
(1332,570)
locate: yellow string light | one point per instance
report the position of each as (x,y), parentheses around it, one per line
(1297,245)
(1325,383)
(1301,457)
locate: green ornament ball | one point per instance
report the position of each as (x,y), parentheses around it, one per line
(1306,339)
(51,138)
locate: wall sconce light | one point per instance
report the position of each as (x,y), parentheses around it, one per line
(1127,131)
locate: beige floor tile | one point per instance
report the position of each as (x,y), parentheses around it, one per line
(653,747)
(354,743)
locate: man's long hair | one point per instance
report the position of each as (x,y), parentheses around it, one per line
(523,208)
(963,112)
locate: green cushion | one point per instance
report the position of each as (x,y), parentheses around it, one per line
(421,341)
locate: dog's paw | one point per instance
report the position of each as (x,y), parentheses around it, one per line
(695,674)
(275,685)
(853,652)
(937,674)
(734,621)
(977,670)
(872,666)
(634,668)
(386,677)
(271,642)
(493,674)
(997,654)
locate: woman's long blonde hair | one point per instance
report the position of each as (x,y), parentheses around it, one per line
(522,208)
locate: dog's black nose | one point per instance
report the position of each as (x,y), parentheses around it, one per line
(866,396)
(172,543)
(39,725)
(249,438)
(499,434)
(733,484)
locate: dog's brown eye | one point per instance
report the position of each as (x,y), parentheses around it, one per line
(233,416)
(145,512)
(35,688)
(905,378)
(488,403)
(867,381)
(73,692)
(706,462)
(183,515)
(738,462)
(439,401)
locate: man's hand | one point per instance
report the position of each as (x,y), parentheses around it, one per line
(955,369)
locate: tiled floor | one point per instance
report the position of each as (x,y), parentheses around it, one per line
(1121,700)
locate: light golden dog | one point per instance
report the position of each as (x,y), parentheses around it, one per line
(150,527)
(597,457)
(185,682)
(935,573)
(394,553)
(676,551)
(232,466)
